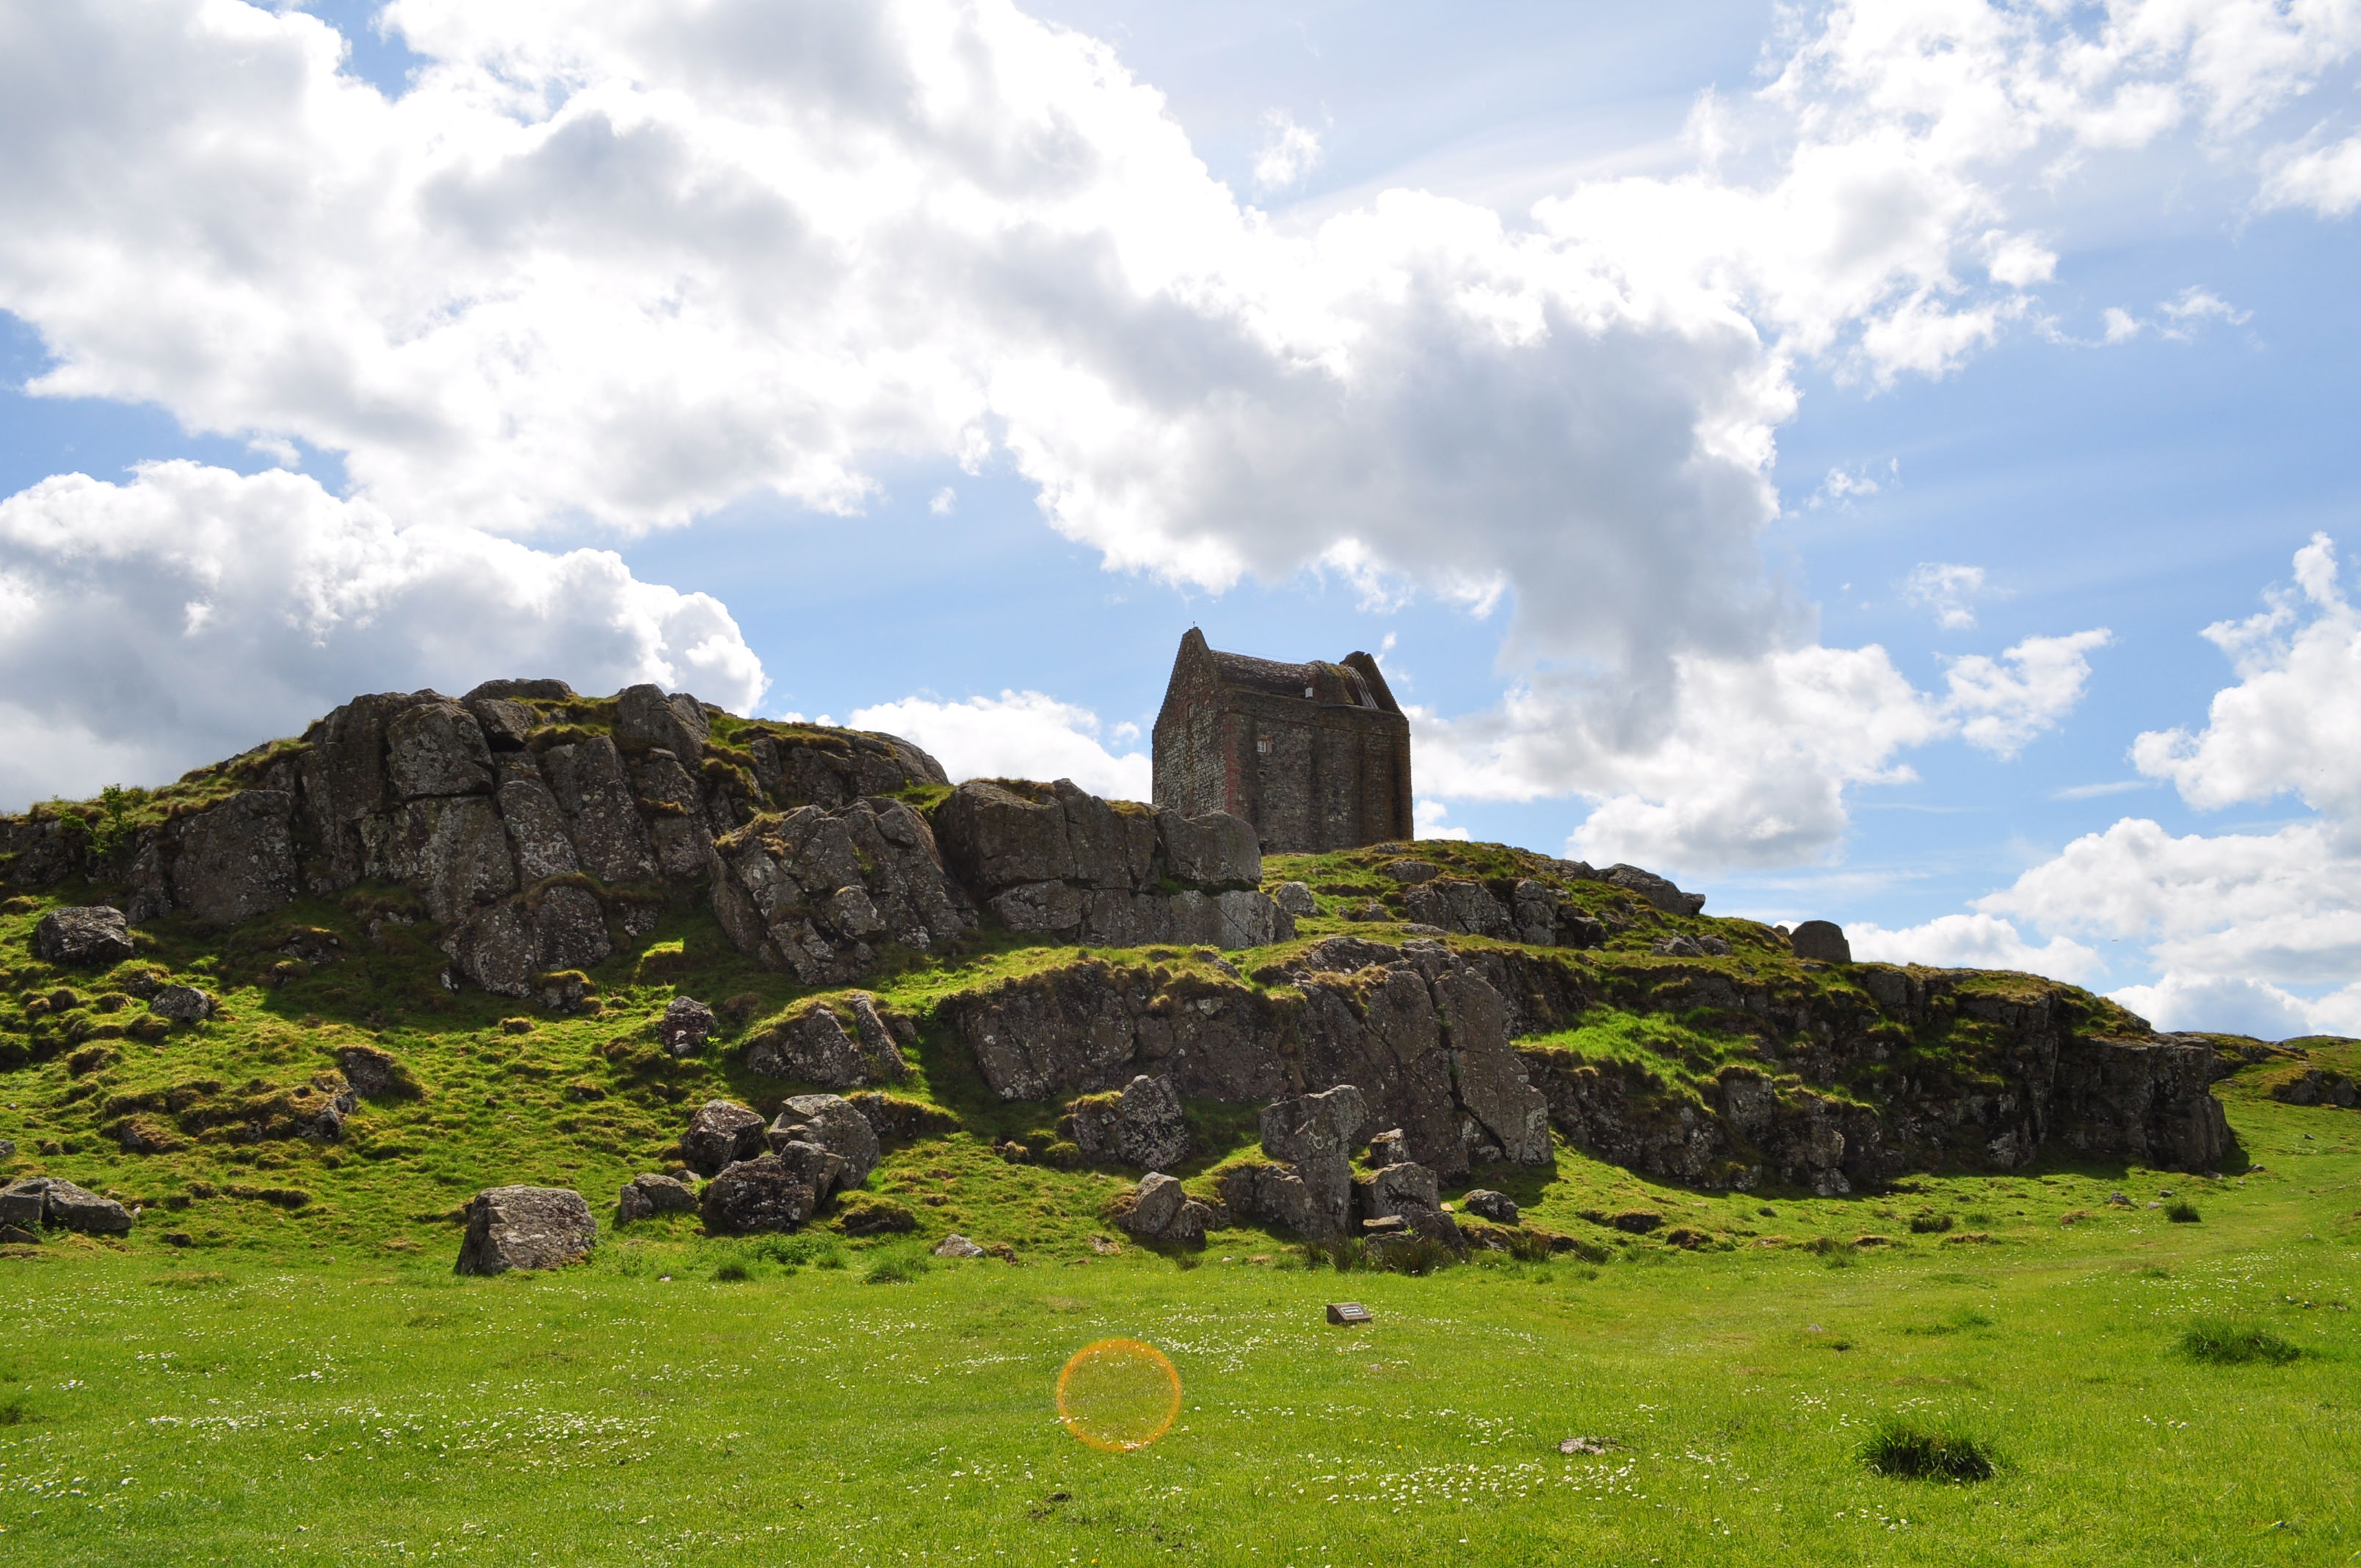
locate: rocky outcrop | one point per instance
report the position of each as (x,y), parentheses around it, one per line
(1144,1125)
(653,1193)
(2149,1102)
(92,934)
(1485,1204)
(814,891)
(1305,1185)
(1052,860)
(1424,1034)
(1656,890)
(526,1227)
(811,1043)
(1822,940)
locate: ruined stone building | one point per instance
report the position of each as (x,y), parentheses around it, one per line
(1315,755)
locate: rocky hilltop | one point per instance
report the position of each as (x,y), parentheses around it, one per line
(1100,969)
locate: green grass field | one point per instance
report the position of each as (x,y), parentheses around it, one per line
(305,1398)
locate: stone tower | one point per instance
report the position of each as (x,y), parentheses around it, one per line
(1316,756)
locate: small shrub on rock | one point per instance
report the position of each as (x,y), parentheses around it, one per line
(1637,1221)
(866,1215)
(1930,1224)
(1906,1451)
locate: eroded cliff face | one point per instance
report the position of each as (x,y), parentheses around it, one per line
(1838,1080)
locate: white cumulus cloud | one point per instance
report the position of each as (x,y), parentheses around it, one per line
(1947,590)
(154,626)
(1974,941)
(1018,734)
(1289,151)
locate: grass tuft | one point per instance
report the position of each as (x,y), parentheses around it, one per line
(1905,1450)
(2181,1212)
(2220,1342)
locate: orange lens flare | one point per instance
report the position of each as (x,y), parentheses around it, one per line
(1118,1395)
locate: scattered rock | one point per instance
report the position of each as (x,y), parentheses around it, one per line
(721,1131)
(526,1227)
(1408,871)
(1637,1221)
(1485,1204)
(898,1120)
(1143,1126)
(16,1235)
(813,1046)
(1296,898)
(1311,1192)
(652,1193)
(957,1245)
(834,1124)
(1584,1445)
(181,1003)
(686,1025)
(92,934)
(1161,1211)
(1823,941)
(25,1201)
(375,1074)
(765,1193)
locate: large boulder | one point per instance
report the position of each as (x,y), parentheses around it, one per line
(92,934)
(685,1026)
(720,1132)
(814,891)
(1217,852)
(181,1003)
(653,1193)
(769,1192)
(1160,1210)
(1314,1135)
(602,816)
(833,1124)
(1821,939)
(1144,1125)
(1658,891)
(526,1227)
(53,1200)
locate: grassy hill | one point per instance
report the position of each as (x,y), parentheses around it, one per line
(277,1362)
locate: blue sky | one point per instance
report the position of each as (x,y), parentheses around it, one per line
(1615,373)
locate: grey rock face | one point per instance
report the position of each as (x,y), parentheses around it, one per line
(648,719)
(1315,1136)
(1466,908)
(2150,1102)
(25,1201)
(1397,1189)
(506,724)
(435,748)
(1296,899)
(720,1132)
(1821,939)
(536,828)
(810,890)
(834,1125)
(236,860)
(686,1025)
(501,947)
(452,849)
(602,816)
(653,1193)
(880,1053)
(1510,1114)
(91,934)
(1161,1211)
(758,1195)
(526,1227)
(542,690)
(813,1046)
(1409,871)
(181,1003)
(1145,1125)
(1216,852)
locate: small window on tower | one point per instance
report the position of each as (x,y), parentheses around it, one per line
(1262,747)
(1307,691)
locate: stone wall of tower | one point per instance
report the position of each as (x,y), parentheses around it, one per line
(1310,775)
